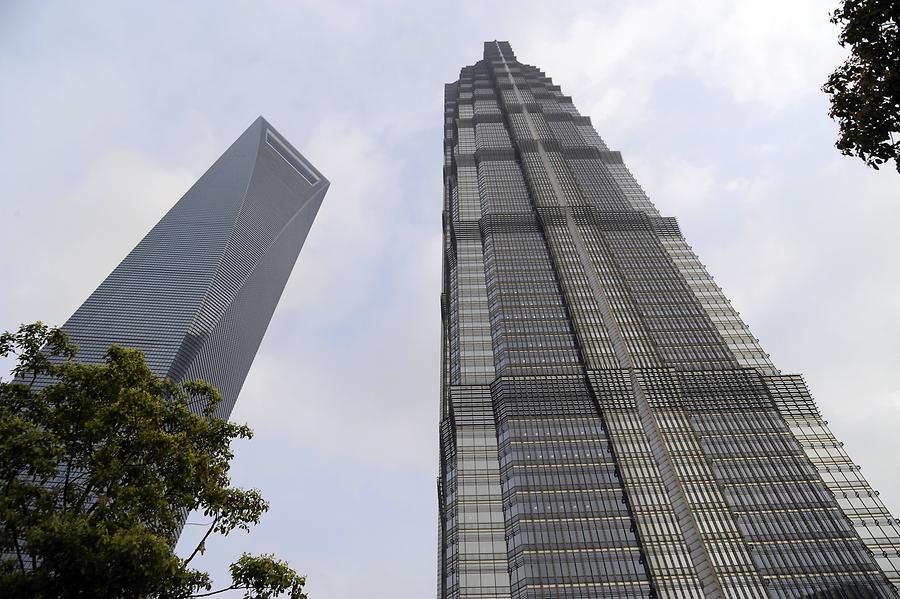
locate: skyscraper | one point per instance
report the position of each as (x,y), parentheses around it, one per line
(197,293)
(609,426)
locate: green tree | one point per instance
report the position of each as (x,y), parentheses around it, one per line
(100,463)
(865,89)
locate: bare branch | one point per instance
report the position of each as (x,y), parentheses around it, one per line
(15,537)
(203,540)
(231,588)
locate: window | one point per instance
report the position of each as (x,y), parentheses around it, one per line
(295,161)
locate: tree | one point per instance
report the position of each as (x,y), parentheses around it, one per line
(100,463)
(865,89)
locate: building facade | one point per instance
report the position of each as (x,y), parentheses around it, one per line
(197,293)
(609,426)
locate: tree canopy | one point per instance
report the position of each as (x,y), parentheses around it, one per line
(100,464)
(865,89)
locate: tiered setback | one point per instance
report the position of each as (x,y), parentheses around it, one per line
(609,425)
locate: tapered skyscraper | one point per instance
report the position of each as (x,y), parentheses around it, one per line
(197,293)
(609,426)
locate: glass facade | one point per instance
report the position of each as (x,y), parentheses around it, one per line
(609,426)
(197,293)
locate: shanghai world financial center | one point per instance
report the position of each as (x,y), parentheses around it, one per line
(608,425)
(196,294)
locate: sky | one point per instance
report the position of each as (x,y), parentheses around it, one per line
(111,110)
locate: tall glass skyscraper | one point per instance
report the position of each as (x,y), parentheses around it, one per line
(609,425)
(197,293)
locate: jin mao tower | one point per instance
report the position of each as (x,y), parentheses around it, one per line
(609,425)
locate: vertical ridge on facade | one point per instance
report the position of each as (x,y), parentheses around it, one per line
(609,425)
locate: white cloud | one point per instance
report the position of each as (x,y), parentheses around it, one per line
(685,187)
(768,52)
(70,239)
(611,60)
(347,241)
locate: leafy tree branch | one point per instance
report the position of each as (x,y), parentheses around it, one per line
(865,89)
(99,465)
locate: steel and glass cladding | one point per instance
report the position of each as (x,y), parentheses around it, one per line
(197,293)
(609,425)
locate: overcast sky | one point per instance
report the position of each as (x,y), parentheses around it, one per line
(111,110)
